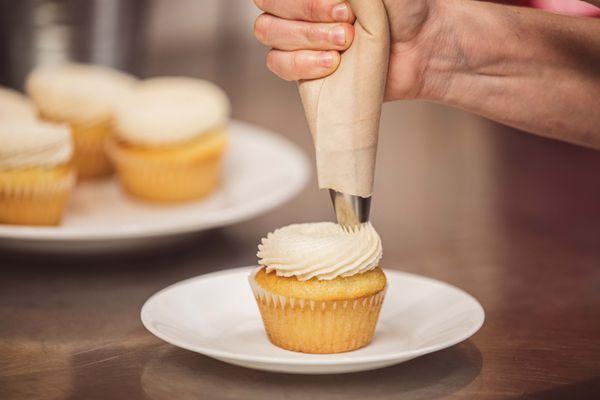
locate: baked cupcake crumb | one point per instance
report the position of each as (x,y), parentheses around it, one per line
(351,287)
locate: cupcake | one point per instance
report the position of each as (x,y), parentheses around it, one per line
(319,287)
(13,105)
(36,177)
(169,139)
(84,97)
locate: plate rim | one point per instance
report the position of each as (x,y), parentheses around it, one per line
(241,213)
(340,361)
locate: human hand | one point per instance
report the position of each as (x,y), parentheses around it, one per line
(526,68)
(307,37)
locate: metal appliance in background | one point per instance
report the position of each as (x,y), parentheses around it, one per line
(34,32)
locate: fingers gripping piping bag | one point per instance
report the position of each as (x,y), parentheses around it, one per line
(343,112)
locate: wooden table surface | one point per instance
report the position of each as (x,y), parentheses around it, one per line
(511,218)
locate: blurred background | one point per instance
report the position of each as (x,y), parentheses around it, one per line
(128,34)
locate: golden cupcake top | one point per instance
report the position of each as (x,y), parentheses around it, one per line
(170,111)
(351,287)
(322,250)
(14,105)
(29,144)
(78,92)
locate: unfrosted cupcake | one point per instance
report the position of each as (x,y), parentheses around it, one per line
(169,139)
(36,177)
(83,96)
(319,288)
(14,105)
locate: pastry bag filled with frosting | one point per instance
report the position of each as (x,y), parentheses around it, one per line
(343,109)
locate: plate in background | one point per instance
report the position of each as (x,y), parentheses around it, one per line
(262,170)
(216,315)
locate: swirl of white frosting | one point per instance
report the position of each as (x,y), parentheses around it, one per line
(171,110)
(78,92)
(28,143)
(323,250)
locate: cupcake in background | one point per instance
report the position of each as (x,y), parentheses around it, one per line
(169,139)
(36,176)
(320,288)
(84,97)
(14,105)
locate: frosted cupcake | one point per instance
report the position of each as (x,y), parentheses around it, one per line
(36,177)
(83,96)
(13,105)
(319,288)
(169,139)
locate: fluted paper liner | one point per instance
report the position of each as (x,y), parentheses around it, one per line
(167,181)
(89,139)
(36,202)
(343,109)
(317,326)
(90,157)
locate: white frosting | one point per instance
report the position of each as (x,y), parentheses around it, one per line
(323,250)
(13,105)
(167,111)
(25,144)
(78,92)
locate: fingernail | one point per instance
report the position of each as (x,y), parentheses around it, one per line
(338,35)
(325,60)
(341,13)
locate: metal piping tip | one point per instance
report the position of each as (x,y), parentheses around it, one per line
(350,210)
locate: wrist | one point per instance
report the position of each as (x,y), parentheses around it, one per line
(424,66)
(443,53)
(468,47)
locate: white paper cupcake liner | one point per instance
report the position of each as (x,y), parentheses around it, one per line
(38,189)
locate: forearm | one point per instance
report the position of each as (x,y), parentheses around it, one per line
(526,68)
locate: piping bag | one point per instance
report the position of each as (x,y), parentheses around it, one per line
(343,112)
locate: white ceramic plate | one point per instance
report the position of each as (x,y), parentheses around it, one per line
(216,315)
(261,171)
